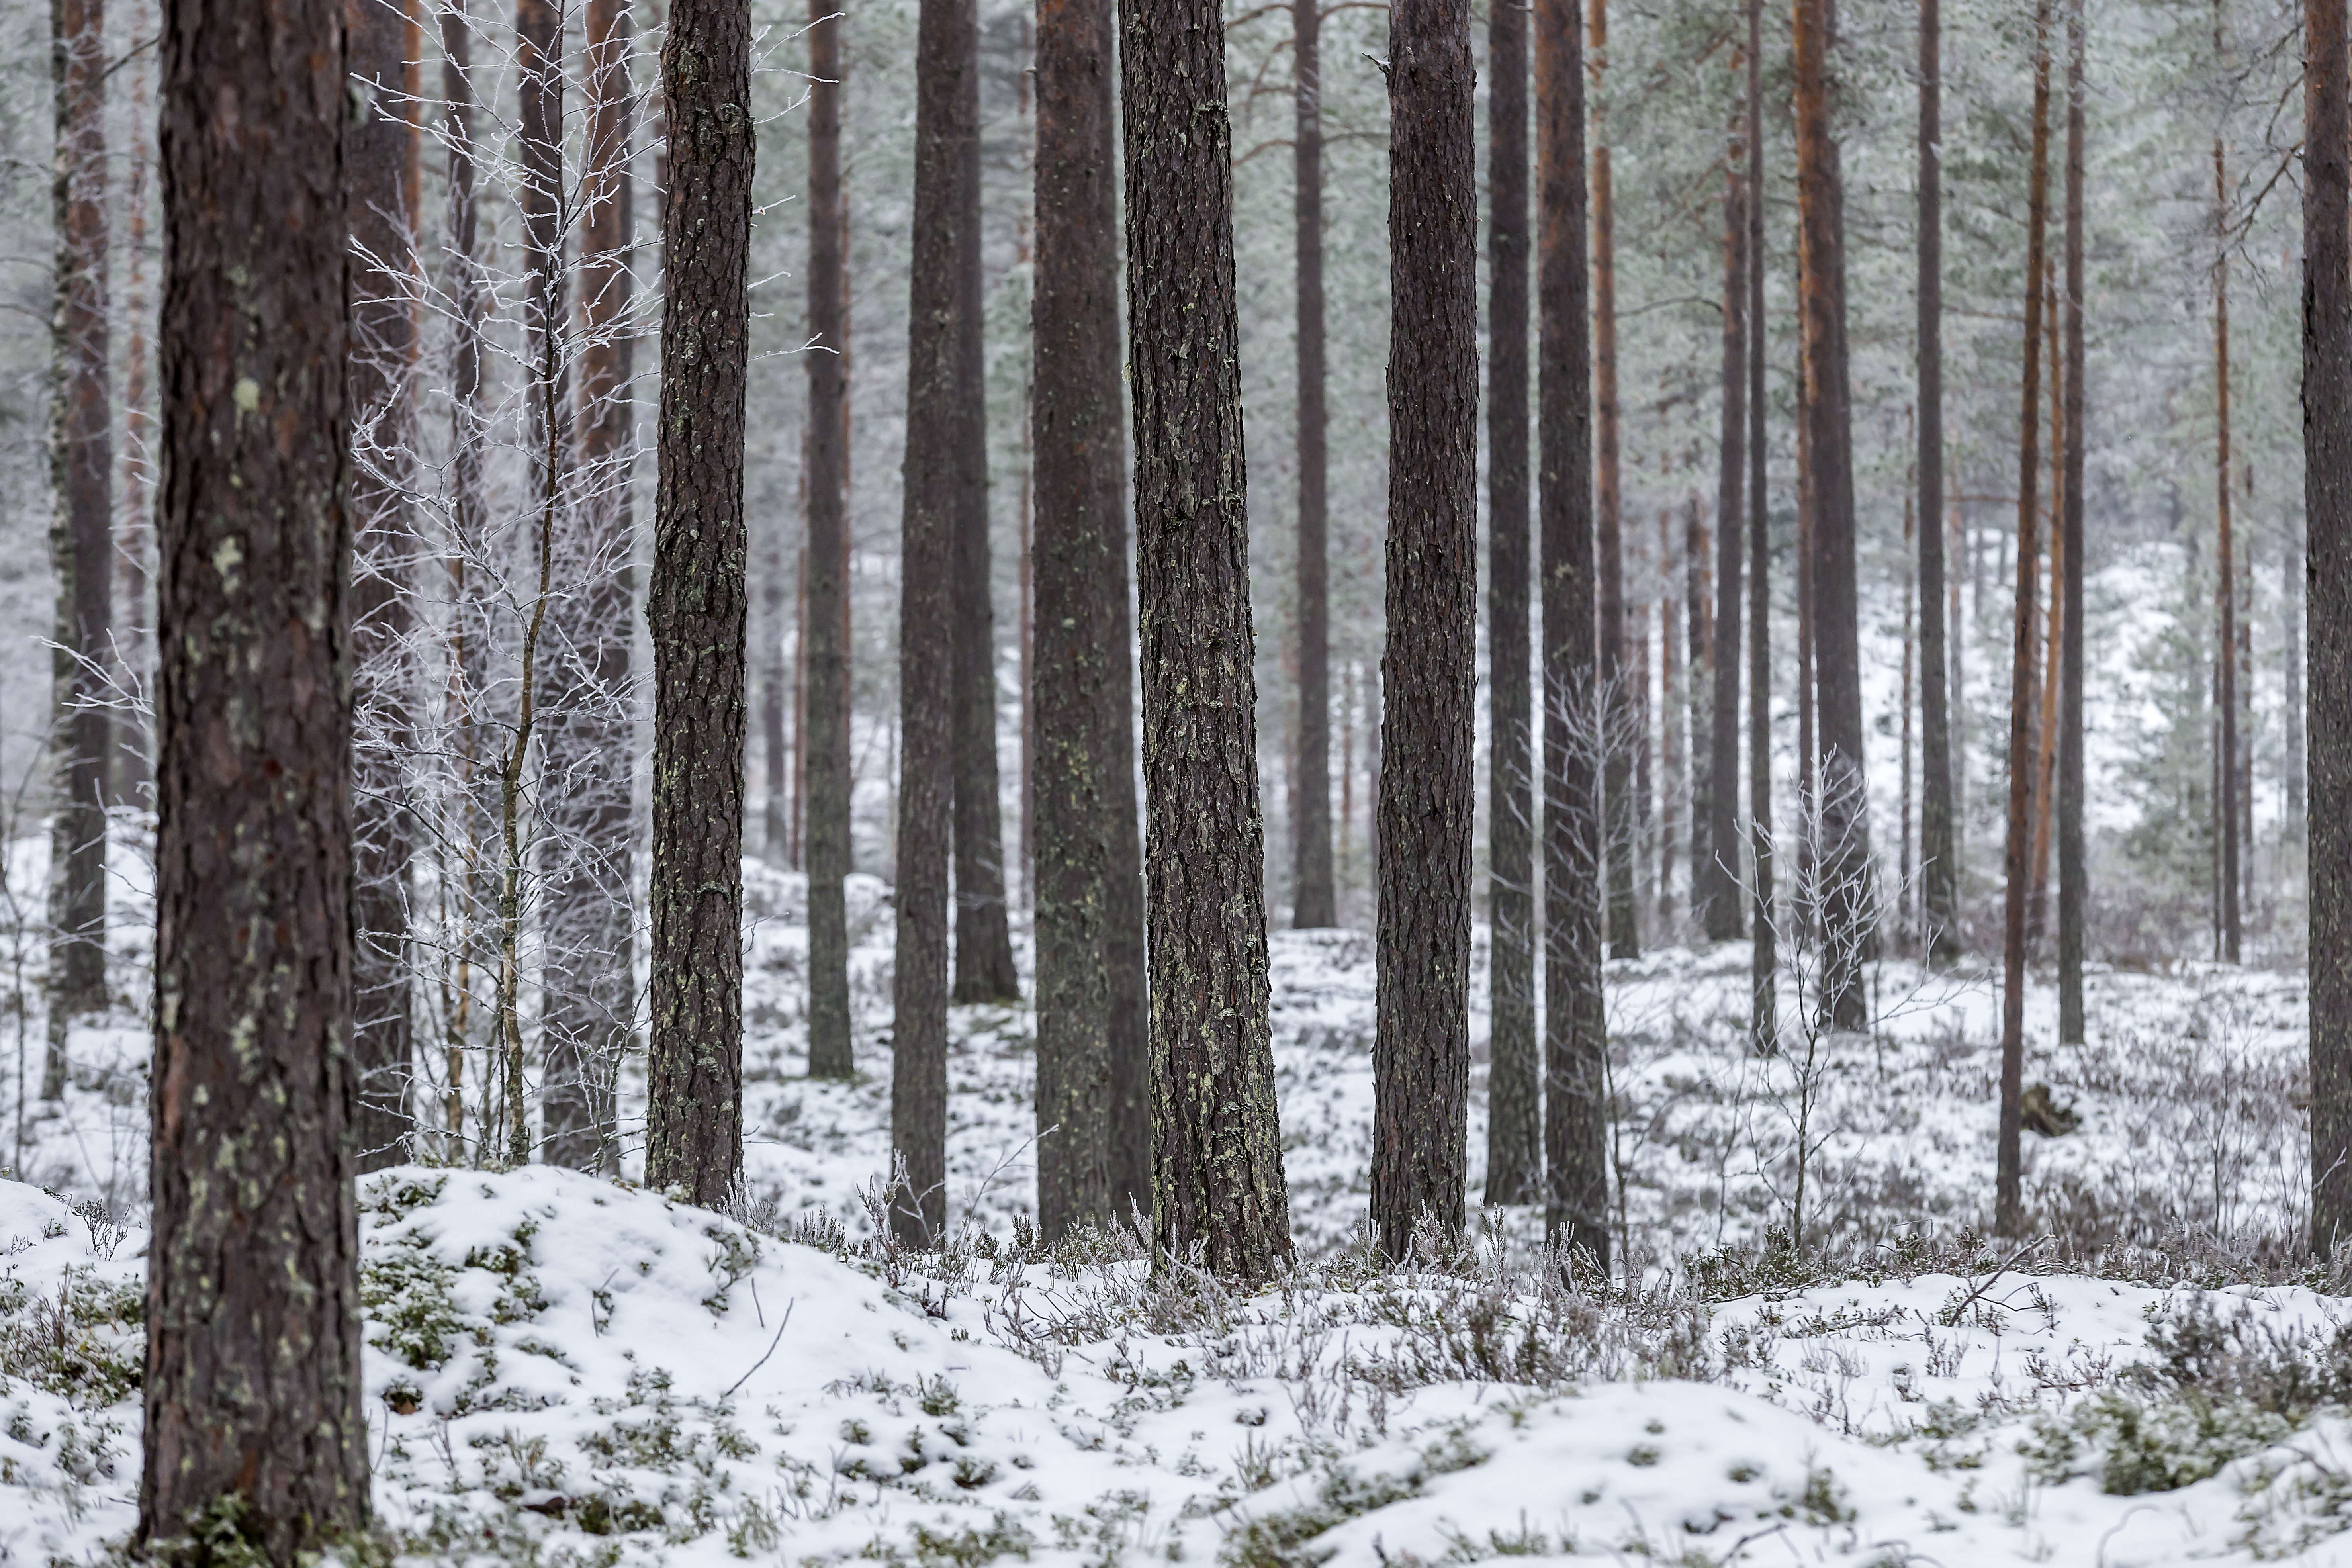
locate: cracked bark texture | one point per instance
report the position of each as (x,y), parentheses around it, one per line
(1421,1044)
(1513,1078)
(824,623)
(1575,1026)
(947,130)
(1076,668)
(1218,1184)
(695,608)
(379,390)
(252,1386)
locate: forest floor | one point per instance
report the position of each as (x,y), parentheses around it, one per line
(563,1370)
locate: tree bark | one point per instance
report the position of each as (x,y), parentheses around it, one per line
(939,303)
(1715,855)
(2006,1215)
(1619,733)
(379,394)
(591,990)
(1312,904)
(1763,1011)
(2071,887)
(253,1424)
(2327,512)
(983,939)
(776,686)
(1075,412)
(1673,794)
(1421,1049)
(1123,900)
(81,531)
(826,784)
(695,609)
(1939,839)
(1576,1127)
(1848,917)
(2225,583)
(1514,1087)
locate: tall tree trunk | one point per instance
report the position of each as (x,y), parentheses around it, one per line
(695,608)
(2007,1215)
(253,1422)
(2070,551)
(2225,566)
(983,939)
(1217,1176)
(81,531)
(1575,1045)
(1075,413)
(1715,855)
(1513,1086)
(826,625)
(2291,683)
(1938,815)
(134,500)
(379,392)
(1848,917)
(1763,1014)
(1619,734)
(590,989)
(776,685)
(2327,512)
(1673,786)
(1123,902)
(1421,1049)
(939,299)
(1314,903)
(1904,881)
(2045,707)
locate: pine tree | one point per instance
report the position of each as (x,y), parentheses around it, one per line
(254,1432)
(1938,838)
(1217,1175)
(1514,1083)
(2070,552)
(1421,1049)
(695,604)
(1619,700)
(2225,561)
(1313,902)
(1763,1019)
(1715,856)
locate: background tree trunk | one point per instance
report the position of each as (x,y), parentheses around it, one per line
(590,1009)
(826,629)
(2225,584)
(1576,1128)
(1217,1175)
(1619,733)
(2070,552)
(1848,916)
(1074,410)
(252,1387)
(379,394)
(1421,1050)
(81,531)
(695,609)
(1938,841)
(1312,904)
(2006,1216)
(2327,512)
(776,688)
(1514,1089)
(1763,1015)
(1715,853)
(1123,938)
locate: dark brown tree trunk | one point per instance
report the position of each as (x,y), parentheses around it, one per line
(1698,685)
(1714,849)
(1620,732)
(1074,408)
(1939,839)
(776,686)
(1673,788)
(2225,564)
(379,394)
(134,500)
(254,1430)
(825,626)
(695,608)
(983,939)
(1848,918)
(2070,886)
(1763,1015)
(1218,1184)
(2007,1215)
(939,303)
(591,990)
(2327,513)
(1513,1086)
(81,531)
(1576,1044)
(1312,904)
(1421,1049)
(1123,938)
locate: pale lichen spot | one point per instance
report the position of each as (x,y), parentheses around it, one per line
(248,395)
